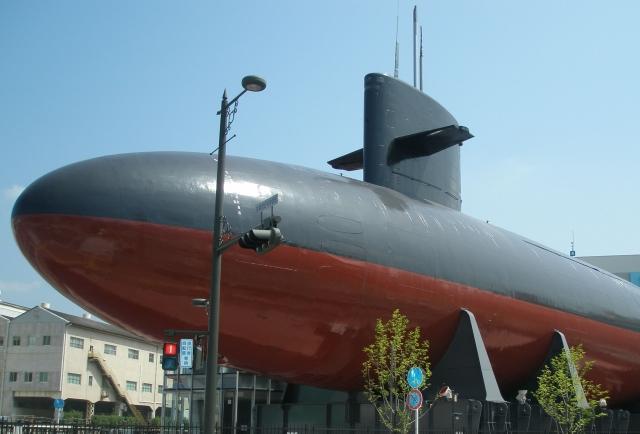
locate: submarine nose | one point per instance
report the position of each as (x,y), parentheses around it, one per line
(54,224)
(85,188)
(170,188)
(161,188)
(123,233)
(46,208)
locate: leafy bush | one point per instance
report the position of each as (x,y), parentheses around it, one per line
(395,349)
(566,394)
(72,415)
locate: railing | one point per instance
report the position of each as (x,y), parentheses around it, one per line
(96,357)
(35,427)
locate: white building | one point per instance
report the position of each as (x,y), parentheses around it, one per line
(11,310)
(95,367)
(624,266)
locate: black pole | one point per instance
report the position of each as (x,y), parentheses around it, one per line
(210,391)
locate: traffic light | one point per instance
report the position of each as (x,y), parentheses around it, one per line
(170,356)
(261,240)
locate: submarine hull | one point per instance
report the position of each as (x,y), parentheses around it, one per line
(128,237)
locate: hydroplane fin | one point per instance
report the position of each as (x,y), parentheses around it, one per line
(420,144)
(426,143)
(351,161)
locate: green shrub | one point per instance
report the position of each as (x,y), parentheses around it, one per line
(72,415)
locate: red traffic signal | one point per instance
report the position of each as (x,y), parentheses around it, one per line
(170,356)
(170,349)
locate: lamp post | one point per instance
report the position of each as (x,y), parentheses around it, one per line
(253,84)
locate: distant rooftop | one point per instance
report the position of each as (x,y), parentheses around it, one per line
(17,306)
(11,310)
(96,325)
(624,266)
(615,263)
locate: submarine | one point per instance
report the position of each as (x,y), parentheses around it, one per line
(129,238)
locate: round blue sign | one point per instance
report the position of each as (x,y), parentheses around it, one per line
(415,377)
(58,403)
(414,399)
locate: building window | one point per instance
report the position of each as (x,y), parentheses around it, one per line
(146,388)
(132,385)
(90,380)
(76,342)
(16,341)
(28,377)
(133,354)
(110,349)
(159,389)
(43,377)
(1,341)
(151,357)
(74,378)
(46,340)
(31,340)
(13,377)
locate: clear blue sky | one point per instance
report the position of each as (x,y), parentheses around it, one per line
(550,90)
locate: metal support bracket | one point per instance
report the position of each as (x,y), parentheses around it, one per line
(465,367)
(559,345)
(539,420)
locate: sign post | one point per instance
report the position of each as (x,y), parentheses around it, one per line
(58,405)
(414,402)
(415,378)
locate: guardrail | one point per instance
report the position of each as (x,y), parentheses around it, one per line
(35,427)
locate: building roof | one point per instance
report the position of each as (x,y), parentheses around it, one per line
(17,306)
(11,310)
(96,325)
(615,263)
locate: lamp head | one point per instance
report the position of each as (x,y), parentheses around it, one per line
(253,83)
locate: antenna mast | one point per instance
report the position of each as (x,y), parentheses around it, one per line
(573,242)
(415,25)
(395,70)
(420,58)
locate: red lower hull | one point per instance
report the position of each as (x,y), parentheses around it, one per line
(300,315)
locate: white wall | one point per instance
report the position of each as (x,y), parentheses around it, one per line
(59,359)
(33,357)
(125,369)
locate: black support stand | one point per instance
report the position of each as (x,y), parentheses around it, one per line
(540,421)
(466,369)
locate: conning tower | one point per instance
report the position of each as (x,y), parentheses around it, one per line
(410,143)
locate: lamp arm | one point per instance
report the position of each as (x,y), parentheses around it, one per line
(232,101)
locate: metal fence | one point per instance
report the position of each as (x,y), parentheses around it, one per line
(43,427)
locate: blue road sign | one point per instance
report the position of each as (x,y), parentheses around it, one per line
(186,353)
(415,377)
(58,403)
(414,399)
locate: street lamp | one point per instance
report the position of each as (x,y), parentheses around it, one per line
(250,83)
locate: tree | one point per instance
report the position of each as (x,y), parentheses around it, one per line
(394,351)
(571,400)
